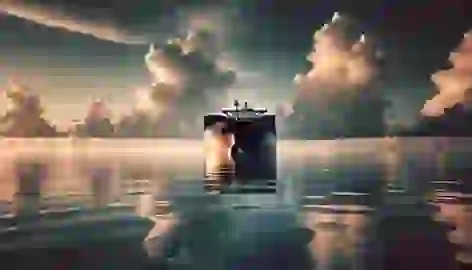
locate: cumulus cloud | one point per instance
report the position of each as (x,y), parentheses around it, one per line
(185,69)
(342,60)
(453,85)
(142,100)
(57,18)
(185,81)
(221,20)
(337,95)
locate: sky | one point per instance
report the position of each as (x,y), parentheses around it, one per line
(72,52)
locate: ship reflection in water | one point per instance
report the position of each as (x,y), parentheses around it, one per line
(378,229)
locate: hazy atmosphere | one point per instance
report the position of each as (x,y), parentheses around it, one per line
(115,152)
(80,53)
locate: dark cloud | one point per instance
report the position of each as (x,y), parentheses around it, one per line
(103,29)
(186,70)
(139,22)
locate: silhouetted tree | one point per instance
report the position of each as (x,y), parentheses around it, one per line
(408,238)
(97,123)
(25,117)
(137,125)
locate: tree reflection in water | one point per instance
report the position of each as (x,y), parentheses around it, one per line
(340,233)
(409,237)
(454,211)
